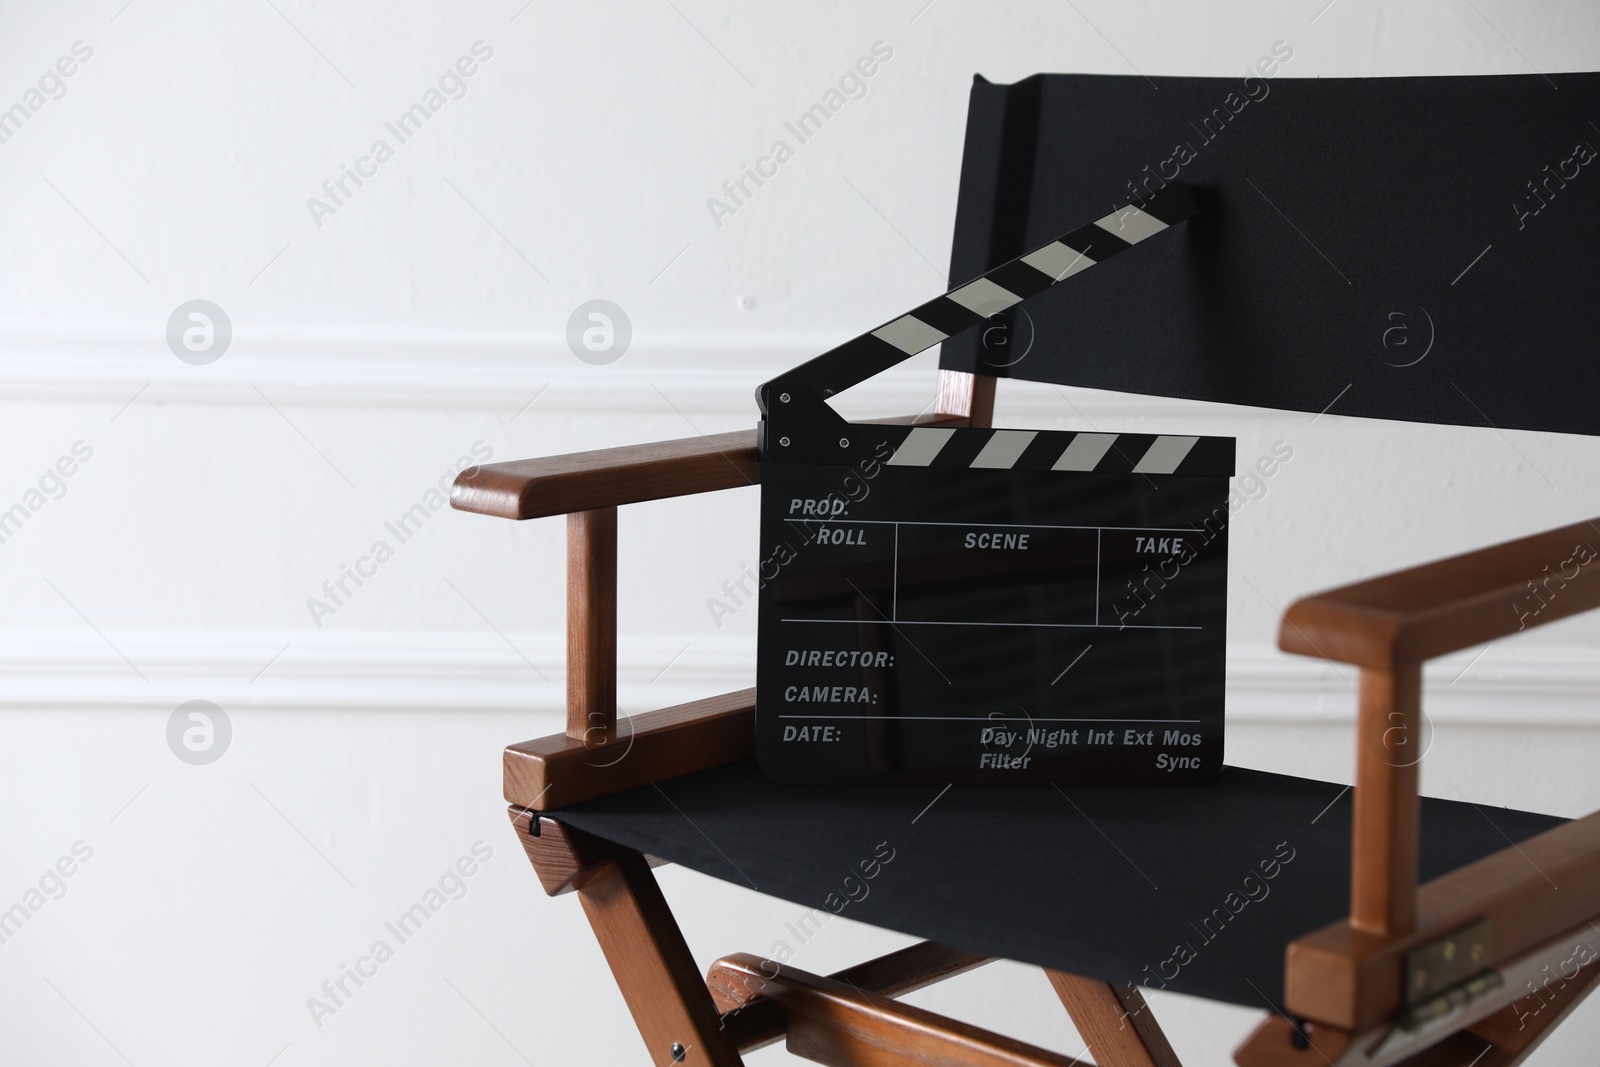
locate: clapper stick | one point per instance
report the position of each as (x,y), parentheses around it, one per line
(970,304)
(798,426)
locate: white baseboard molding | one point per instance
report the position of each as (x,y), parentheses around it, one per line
(408,670)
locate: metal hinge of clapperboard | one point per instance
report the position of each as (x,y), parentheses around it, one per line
(798,426)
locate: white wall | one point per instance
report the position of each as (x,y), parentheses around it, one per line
(422,318)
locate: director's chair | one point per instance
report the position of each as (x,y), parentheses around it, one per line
(1454,947)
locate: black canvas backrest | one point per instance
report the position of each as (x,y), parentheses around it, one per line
(1422,249)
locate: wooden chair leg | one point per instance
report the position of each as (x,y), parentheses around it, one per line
(755,1021)
(1114,1021)
(1516,1030)
(838,1024)
(653,967)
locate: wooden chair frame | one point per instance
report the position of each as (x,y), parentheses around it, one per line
(1345,985)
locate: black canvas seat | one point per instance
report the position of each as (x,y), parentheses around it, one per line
(1167,888)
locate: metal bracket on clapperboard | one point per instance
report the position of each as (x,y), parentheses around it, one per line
(849,681)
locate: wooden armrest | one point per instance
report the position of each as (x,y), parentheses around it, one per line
(1388,627)
(1422,612)
(585,481)
(607,477)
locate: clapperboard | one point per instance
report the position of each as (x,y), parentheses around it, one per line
(994,606)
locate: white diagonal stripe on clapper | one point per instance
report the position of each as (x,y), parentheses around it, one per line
(1131,224)
(1004,448)
(1164,455)
(1085,451)
(921,446)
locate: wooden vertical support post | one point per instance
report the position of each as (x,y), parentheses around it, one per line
(592,626)
(653,967)
(968,395)
(1386,825)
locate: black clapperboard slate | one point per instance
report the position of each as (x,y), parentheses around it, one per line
(979,605)
(1423,249)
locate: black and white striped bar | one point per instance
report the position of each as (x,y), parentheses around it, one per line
(980,299)
(1050,450)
